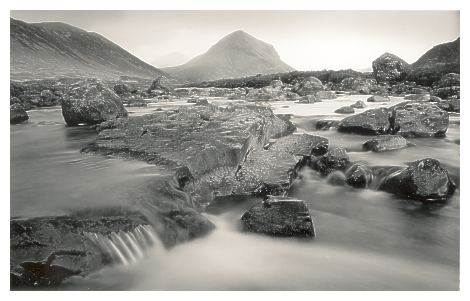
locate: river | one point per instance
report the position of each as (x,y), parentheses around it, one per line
(366,240)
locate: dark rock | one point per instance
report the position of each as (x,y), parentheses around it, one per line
(279,217)
(160,86)
(17,114)
(91,102)
(423,179)
(447,92)
(390,68)
(308,86)
(417,119)
(385,143)
(15,100)
(378,98)
(358,105)
(335,159)
(359,176)
(48,98)
(372,122)
(345,110)
(450,105)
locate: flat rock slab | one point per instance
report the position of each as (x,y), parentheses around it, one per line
(279,216)
(372,122)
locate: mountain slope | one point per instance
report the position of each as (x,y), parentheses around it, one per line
(55,49)
(236,55)
(439,60)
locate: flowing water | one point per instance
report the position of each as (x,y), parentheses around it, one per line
(366,240)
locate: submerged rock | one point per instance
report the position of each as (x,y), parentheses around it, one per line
(374,121)
(418,119)
(345,110)
(278,216)
(385,143)
(359,176)
(423,179)
(91,102)
(17,114)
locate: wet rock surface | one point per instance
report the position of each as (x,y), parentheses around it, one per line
(17,114)
(385,143)
(91,102)
(424,179)
(279,217)
(359,176)
(374,121)
(336,158)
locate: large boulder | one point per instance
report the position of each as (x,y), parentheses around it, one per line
(345,110)
(308,86)
(418,119)
(372,122)
(385,143)
(358,105)
(279,216)
(423,179)
(359,176)
(389,68)
(335,159)
(358,85)
(91,102)
(17,114)
(160,86)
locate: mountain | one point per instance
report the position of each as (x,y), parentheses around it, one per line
(55,49)
(439,60)
(169,59)
(236,55)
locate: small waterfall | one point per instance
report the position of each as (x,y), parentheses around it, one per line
(125,247)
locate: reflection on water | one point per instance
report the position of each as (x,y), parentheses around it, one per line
(366,240)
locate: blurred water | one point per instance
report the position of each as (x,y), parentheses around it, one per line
(366,240)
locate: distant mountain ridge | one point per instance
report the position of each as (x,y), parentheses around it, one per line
(56,49)
(236,55)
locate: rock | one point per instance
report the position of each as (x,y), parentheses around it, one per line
(326,124)
(309,99)
(15,100)
(449,80)
(345,110)
(279,217)
(417,90)
(202,102)
(121,89)
(325,95)
(160,86)
(450,105)
(390,68)
(335,159)
(358,85)
(424,180)
(378,98)
(418,97)
(17,114)
(277,84)
(91,102)
(435,99)
(418,119)
(359,176)
(358,105)
(308,86)
(371,122)
(447,92)
(336,178)
(48,98)
(385,143)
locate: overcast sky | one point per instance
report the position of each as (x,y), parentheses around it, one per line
(306,40)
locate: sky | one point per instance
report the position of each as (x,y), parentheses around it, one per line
(306,40)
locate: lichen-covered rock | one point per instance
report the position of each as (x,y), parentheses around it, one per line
(385,143)
(424,180)
(335,159)
(345,110)
(359,176)
(378,98)
(371,122)
(418,119)
(17,114)
(358,105)
(91,102)
(308,86)
(390,68)
(279,217)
